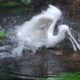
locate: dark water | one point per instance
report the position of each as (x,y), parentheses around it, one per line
(44,63)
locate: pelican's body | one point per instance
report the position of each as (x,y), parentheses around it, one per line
(34,32)
(39,30)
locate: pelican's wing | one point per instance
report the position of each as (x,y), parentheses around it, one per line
(38,25)
(38,30)
(41,22)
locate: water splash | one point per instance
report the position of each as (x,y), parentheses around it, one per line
(33,33)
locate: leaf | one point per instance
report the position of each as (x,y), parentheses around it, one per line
(70,76)
(2,34)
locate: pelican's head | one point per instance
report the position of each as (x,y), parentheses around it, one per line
(65,29)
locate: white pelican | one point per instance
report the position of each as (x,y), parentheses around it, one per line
(38,31)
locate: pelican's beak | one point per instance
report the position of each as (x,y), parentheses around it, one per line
(75,44)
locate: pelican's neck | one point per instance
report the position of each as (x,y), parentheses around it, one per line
(54,39)
(52,26)
(61,35)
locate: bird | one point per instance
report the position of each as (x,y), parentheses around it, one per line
(39,31)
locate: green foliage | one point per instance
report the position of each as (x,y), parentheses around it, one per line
(2,34)
(70,76)
(13,3)
(8,3)
(26,1)
(64,76)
